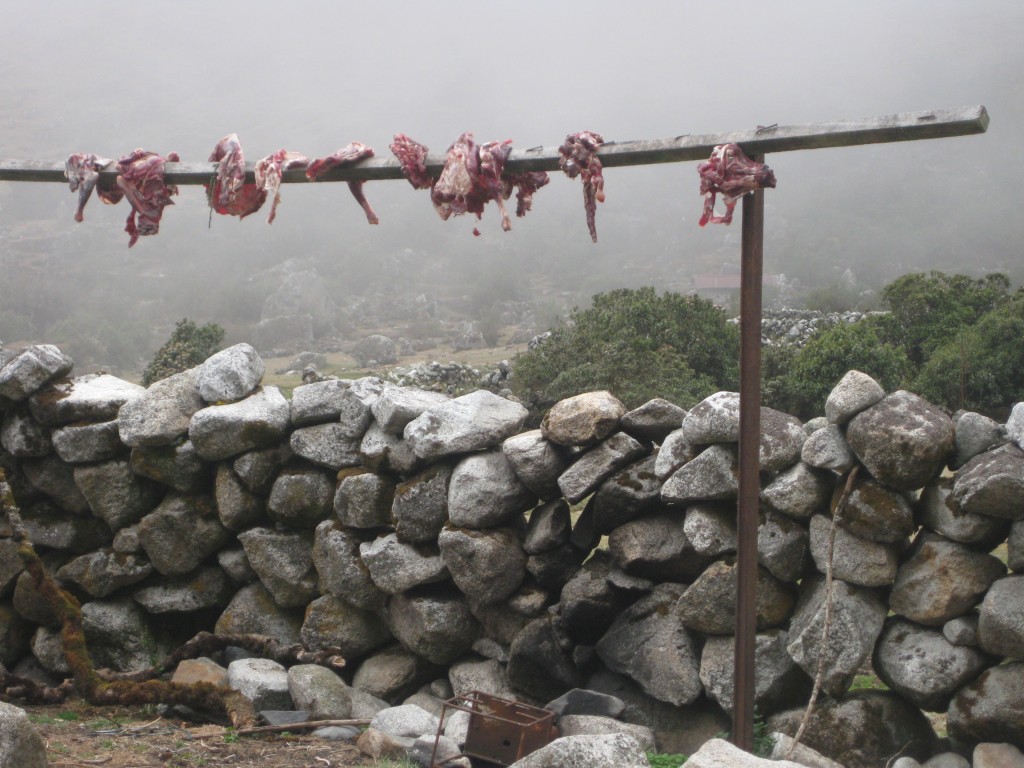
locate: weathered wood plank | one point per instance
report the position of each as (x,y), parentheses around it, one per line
(905,126)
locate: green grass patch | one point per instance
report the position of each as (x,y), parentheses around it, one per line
(658,760)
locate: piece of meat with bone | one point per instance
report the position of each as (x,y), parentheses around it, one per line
(579,158)
(229,195)
(411,155)
(141,179)
(269,171)
(453,187)
(82,171)
(352,153)
(730,172)
(472,176)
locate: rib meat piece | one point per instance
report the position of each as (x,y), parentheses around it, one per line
(268,175)
(352,153)
(579,158)
(411,155)
(82,172)
(452,188)
(141,179)
(230,195)
(733,174)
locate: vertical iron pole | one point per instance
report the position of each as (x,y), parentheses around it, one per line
(749,466)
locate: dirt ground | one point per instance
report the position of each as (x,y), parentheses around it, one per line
(78,735)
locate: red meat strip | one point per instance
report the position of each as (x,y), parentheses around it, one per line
(352,153)
(141,179)
(733,174)
(488,185)
(268,175)
(525,185)
(229,194)
(82,172)
(579,158)
(411,155)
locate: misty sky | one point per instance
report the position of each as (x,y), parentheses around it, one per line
(109,76)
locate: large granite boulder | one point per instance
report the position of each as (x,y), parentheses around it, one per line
(473,422)
(28,370)
(903,440)
(537,461)
(863,729)
(284,563)
(230,374)
(583,419)
(342,572)
(397,567)
(435,626)
(420,505)
(778,682)
(992,483)
(301,497)
(180,533)
(87,443)
(709,604)
(941,580)
(857,615)
(990,708)
(854,393)
(161,414)
(1001,618)
(258,421)
(20,743)
(920,664)
(484,491)
(93,397)
(488,566)
(648,643)
(332,623)
(591,468)
(116,494)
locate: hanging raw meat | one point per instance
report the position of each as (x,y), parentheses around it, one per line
(733,174)
(82,172)
(352,153)
(579,158)
(472,176)
(525,185)
(269,171)
(411,155)
(141,179)
(229,194)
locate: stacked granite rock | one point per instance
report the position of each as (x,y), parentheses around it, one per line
(444,549)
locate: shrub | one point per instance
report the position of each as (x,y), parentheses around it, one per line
(638,345)
(187,347)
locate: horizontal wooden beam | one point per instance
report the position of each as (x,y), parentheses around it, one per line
(905,126)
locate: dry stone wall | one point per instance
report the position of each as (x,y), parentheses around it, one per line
(430,537)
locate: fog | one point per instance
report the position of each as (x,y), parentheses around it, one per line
(109,76)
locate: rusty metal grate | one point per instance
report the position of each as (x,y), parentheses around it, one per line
(501,731)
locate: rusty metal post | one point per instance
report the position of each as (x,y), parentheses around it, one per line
(749,482)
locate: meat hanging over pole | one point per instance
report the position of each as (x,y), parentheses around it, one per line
(82,171)
(730,172)
(352,153)
(525,185)
(228,194)
(269,171)
(472,176)
(579,158)
(411,155)
(141,180)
